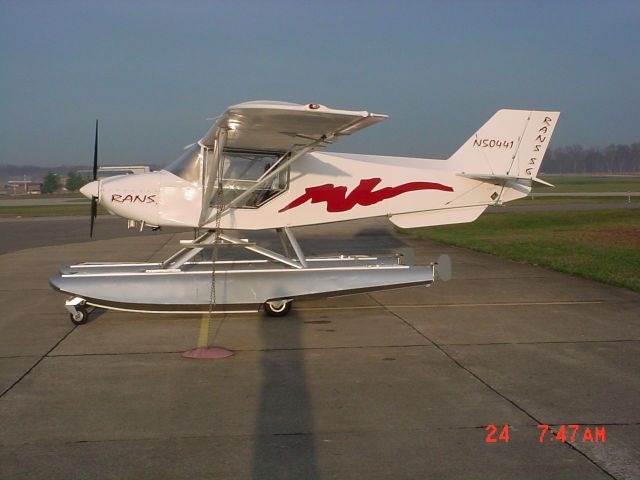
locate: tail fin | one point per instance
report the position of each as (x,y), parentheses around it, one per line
(510,145)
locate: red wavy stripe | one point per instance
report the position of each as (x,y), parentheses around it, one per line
(338,201)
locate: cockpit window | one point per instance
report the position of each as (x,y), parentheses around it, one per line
(242,171)
(246,166)
(187,165)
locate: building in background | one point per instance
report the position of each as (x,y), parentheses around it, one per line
(21,187)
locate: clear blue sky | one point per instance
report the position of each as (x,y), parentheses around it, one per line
(152,72)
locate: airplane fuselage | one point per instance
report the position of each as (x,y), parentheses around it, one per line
(322,188)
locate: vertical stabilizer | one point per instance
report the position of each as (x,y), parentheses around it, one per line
(511,144)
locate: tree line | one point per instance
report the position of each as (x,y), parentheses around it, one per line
(51,182)
(612,159)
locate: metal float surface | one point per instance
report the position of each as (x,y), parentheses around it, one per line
(240,286)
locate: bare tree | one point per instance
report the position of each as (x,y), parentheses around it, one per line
(612,159)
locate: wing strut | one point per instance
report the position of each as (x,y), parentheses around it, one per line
(296,247)
(211,173)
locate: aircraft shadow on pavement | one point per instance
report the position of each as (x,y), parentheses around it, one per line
(367,241)
(284,441)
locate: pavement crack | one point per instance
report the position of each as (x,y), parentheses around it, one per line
(316,433)
(38,362)
(545,342)
(7,357)
(112,354)
(247,350)
(379,306)
(490,387)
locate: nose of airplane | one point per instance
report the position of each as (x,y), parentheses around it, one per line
(91,189)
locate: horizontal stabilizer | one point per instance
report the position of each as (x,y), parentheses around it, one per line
(502,178)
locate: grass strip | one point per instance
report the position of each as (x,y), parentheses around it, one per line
(589,184)
(602,245)
(572,200)
(40,196)
(65,210)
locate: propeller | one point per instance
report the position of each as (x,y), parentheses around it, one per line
(94,199)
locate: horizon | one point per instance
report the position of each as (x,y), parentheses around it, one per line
(87,167)
(154,71)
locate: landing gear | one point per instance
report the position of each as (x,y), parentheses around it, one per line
(78,312)
(278,308)
(80,317)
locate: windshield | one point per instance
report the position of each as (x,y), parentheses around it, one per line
(187,165)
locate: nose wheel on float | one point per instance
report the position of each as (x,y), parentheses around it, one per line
(78,311)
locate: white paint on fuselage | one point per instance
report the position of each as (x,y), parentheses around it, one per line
(156,198)
(348,170)
(164,199)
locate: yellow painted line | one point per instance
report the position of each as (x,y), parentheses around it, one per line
(449,305)
(505,304)
(203,335)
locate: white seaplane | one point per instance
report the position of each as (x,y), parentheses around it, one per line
(258,167)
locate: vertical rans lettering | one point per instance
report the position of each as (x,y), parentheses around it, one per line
(538,143)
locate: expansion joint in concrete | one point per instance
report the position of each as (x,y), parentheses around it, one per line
(37,362)
(489,386)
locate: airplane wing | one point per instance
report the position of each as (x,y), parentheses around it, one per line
(289,129)
(285,127)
